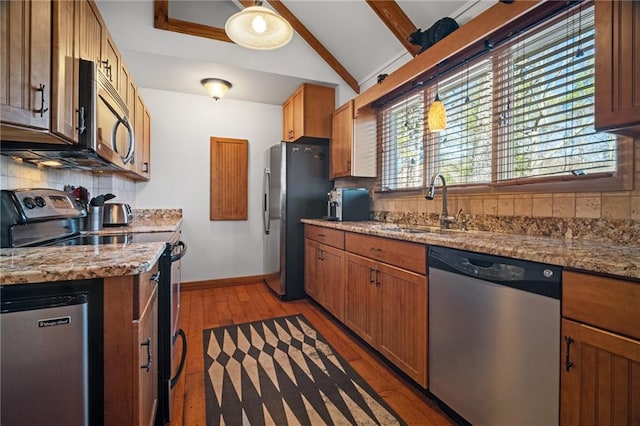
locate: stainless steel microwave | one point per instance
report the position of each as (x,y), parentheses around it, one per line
(105,133)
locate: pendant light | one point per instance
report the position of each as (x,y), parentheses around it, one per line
(437,116)
(260,28)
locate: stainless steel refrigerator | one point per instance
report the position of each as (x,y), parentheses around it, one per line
(296,184)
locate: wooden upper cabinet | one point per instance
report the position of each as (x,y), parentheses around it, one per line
(617,74)
(353,142)
(65,71)
(25,77)
(91,32)
(341,137)
(307,113)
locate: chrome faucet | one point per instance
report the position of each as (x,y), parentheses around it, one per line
(445,219)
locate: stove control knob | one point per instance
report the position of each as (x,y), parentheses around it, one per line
(29,202)
(40,202)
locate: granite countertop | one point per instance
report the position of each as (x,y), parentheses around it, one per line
(46,264)
(607,258)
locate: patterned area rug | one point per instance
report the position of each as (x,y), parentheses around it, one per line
(282,372)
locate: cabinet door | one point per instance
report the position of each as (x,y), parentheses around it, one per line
(403,329)
(617,80)
(602,384)
(341,139)
(146,369)
(361,314)
(287,120)
(331,280)
(146,144)
(297,106)
(25,29)
(111,61)
(64,71)
(91,32)
(311,265)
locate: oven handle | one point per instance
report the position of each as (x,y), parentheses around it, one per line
(183,356)
(180,255)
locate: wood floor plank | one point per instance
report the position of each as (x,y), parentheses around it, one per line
(214,307)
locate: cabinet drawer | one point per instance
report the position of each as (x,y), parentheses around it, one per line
(328,236)
(608,303)
(402,254)
(146,284)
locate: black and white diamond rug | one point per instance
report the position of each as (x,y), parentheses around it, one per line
(283,372)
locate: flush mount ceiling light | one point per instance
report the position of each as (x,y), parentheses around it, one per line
(257,27)
(216,87)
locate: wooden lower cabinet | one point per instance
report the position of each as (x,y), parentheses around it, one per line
(324,276)
(387,307)
(131,349)
(601,383)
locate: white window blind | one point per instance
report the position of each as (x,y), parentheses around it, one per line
(520,113)
(402,127)
(462,152)
(544,85)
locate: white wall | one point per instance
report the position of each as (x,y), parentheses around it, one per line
(180,156)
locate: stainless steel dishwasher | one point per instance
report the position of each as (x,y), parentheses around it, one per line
(494,337)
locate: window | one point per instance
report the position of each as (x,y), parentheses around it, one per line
(520,113)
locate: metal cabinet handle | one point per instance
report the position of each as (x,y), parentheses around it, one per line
(42,109)
(147,366)
(567,360)
(376,249)
(377,278)
(155,277)
(107,69)
(82,126)
(372,280)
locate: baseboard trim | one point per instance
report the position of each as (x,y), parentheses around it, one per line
(221,282)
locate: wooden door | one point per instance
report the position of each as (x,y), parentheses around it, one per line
(229,179)
(25,77)
(311,265)
(361,313)
(331,280)
(403,329)
(64,71)
(341,141)
(602,384)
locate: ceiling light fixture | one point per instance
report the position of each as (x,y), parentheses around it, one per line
(216,87)
(257,27)
(437,116)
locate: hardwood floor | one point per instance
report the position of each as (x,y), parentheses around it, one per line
(204,309)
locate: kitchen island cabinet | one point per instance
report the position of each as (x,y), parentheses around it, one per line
(600,379)
(131,349)
(307,113)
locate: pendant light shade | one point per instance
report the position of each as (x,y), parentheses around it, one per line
(437,116)
(257,27)
(216,87)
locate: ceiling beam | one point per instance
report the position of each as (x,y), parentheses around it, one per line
(397,21)
(315,44)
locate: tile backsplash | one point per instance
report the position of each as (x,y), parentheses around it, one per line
(17,174)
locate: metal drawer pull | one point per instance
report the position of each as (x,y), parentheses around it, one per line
(567,361)
(42,109)
(371,279)
(147,366)
(155,277)
(376,249)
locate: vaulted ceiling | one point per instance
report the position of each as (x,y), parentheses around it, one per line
(172,44)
